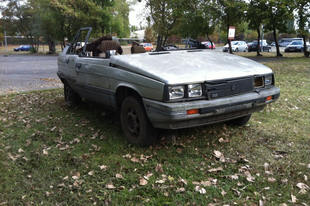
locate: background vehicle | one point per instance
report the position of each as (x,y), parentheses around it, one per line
(170,47)
(147,46)
(253,47)
(23,48)
(236,46)
(295,46)
(286,41)
(208,45)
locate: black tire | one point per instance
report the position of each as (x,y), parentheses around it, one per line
(240,121)
(135,124)
(246,49)
(72,98)
(237,50)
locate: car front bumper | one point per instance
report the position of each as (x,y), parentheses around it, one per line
(174,115)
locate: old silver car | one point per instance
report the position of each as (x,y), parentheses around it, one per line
(165,89)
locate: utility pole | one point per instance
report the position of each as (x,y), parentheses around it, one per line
(6,45)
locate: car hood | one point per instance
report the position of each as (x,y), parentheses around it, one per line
(189,66)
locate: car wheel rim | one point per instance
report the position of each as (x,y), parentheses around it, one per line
(133,122)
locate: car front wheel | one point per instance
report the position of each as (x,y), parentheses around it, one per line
(72,98)
(135,124)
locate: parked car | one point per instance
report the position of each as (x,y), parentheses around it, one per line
(23,48)
(236,46)
(170,47)
(208,44)
(295,46)
(273,44)
(166,89)
(147,46)
(253,47)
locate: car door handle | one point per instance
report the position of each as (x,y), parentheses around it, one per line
(77,67)
(67,61)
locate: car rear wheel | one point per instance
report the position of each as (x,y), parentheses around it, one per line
(135,124)
(240,121)
(237,50)
(72,98)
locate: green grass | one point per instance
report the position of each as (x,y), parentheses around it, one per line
(54,154)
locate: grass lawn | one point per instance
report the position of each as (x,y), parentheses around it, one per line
(52,154)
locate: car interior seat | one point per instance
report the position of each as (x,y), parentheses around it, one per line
(136,48)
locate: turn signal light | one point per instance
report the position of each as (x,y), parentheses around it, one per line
(192,111)
(268,98)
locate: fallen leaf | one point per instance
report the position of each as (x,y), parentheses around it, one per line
(119,176)
(206,183)
(61,185)
(179,150)
(215,169)
(170,178)
(303,187)
(217,154)
(134,159)
(143,181)
(91,173)
(103,167)
(20,151)
(160,181)
(234,177)
(182,189)
(201,190)
(159,168)
(127,156)
(110,186)
(271,180)
(294,199)
(183,181)
(223,192)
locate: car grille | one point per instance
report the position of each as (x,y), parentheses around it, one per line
(228,88)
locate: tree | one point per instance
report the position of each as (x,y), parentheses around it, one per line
(26,21)
(232,13)
(120,20)
(165,14)
(199,19)
(257,14)
(278,16)
(302,8)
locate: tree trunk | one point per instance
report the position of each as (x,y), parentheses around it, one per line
(258,42)
(306,53)
(229,41)
(210,41)
(159,42)
(51,47)
(276,41)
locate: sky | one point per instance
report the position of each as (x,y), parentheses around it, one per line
(135,16)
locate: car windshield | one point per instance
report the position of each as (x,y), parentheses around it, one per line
(296,43)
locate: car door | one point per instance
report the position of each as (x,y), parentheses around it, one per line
(92,79)
(69,59)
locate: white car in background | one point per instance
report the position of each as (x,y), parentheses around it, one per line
(236,46)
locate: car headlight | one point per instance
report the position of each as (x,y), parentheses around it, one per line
(176,92)
(268,79)
(194,90)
